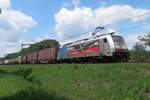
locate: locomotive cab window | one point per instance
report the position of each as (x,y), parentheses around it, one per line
(119,42)
(105,40)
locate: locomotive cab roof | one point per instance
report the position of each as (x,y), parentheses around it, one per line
(89,39)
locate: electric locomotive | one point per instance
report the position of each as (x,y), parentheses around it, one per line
(106,47)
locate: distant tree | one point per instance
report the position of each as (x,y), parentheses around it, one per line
(145,39)
(40,45)
(139,52)
(11,56)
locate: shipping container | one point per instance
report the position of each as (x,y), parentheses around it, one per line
(32,58)
(1,62)
(19,59)
(63,52)
(24,60)
(48,55)
(6,61)
(11,61)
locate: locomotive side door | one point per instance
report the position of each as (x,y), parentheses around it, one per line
(104,47)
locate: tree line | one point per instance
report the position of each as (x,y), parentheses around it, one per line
(140,52)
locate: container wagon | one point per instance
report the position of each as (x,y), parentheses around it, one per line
(48,55)
(23,59)
(32,58)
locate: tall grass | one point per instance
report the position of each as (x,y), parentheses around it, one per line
(75,82)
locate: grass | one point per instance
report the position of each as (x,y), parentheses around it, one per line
(75,82)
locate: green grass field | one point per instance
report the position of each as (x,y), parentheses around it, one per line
(75,82)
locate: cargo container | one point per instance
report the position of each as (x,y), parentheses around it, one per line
(13,61)
(48,55)
(63,52)
(32,58)
(24,60)
(1,62)
(19,59)
(6,61)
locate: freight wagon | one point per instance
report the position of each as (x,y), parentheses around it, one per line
(48,55)
(32,58)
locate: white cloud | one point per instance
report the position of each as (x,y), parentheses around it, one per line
(5,4)
(77,22)
(133,38)
(71,22)
(12,24)
(8,47)
(17,21)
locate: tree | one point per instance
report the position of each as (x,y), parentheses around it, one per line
(40,45)
(139,52)
(145,40)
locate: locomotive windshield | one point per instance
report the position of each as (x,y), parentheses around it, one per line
(119,42)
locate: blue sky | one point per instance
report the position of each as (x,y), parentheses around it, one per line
(42,11)
(61,19)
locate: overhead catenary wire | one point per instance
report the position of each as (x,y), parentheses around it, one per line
(122,30)
(106,17)
(124,20)
(133,27)
(128,19)
(130,1)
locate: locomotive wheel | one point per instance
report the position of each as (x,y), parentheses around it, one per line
(105,59)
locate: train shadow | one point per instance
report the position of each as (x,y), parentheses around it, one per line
(33,90)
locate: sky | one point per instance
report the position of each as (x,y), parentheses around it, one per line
(30,21)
